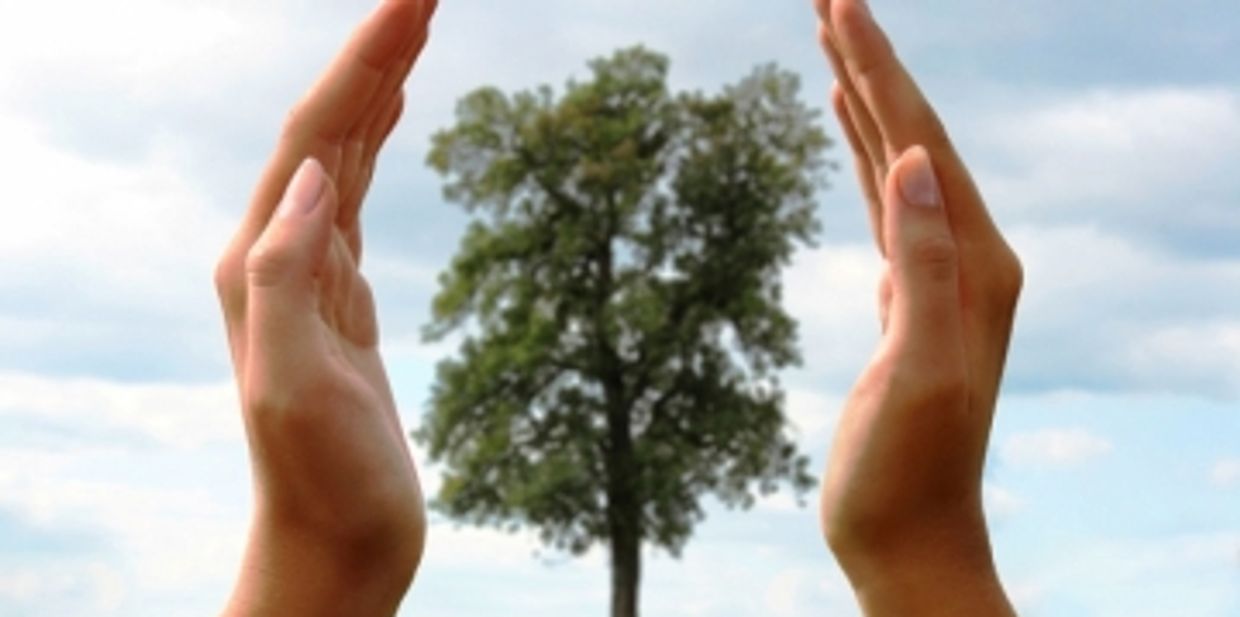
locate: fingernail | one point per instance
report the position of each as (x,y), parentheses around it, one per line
(864,5)
(918,186)
(304,190)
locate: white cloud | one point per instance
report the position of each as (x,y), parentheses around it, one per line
(1000,502)
(36,589)
(785,502)
(1226,473)
(120,227)
(1054,448)
(1188,574)
(813,414)
(453,546)
(797,591)
(749,575)
(99,245)
(144,534)
(177,416)
(1026,596)
(1113,145)
(1208,350)
(1102,310)
(1154,162)
(149,54)
(833,293)
(147,483)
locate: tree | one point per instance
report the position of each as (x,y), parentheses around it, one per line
(620,305)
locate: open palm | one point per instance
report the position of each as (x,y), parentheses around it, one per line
(901,501)
(332,470)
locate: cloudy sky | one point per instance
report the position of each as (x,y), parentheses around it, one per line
(1104,134)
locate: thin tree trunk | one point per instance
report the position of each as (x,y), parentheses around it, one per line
(623,518)
(625,575)
(624,506)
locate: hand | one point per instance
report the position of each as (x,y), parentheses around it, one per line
(901,501)
(339,519)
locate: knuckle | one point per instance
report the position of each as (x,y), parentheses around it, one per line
(266,263)
(1014,275)
(229,282)
(264,403)
(299,125)
(935,256)
(225,277)
(284,408)
(869,71)
(935,133)
(292,120)
(1008,277)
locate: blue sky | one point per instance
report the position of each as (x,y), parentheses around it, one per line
(1104,135)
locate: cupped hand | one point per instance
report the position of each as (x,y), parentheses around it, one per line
(337,496)
(902,495)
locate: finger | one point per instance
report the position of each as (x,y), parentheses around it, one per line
(394,82)
(379,54)
(903,116)
(362,144)
(823,7)
(867,130)
(283,267)
(386,122)
(371,145)
(355,310)
(865,168)
(925,313)
(901,112)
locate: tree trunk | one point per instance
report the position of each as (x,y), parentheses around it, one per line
(624,508)
(625,574)
(623,518)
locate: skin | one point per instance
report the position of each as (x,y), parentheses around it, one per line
(902,495)
(339,523)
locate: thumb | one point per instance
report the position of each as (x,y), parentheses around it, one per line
(925,313)
(282,266)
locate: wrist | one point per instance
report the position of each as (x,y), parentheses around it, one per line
(928,567)
(291,569)
(931,589)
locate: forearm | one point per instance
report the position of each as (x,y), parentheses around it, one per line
(290,572)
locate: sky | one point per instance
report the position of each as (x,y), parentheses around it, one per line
(1103,134)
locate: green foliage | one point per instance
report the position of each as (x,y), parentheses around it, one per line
(620,295)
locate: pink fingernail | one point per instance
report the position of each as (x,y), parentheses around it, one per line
(918,185)
(304,190)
